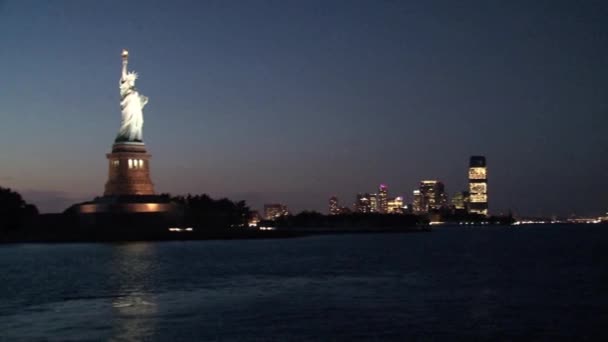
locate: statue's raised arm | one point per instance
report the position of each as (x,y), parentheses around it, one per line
(125,61)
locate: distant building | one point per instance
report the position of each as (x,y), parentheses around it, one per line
(345,210)
(363,203)
(418,203)
(433,195)
(460,200)
(395,206)
(334,208)
(254,218)
(408,208)
(478,185)
(274,211)
(374,203)
(383,199)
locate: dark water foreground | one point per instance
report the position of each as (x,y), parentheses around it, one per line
(132,235)
(453,283)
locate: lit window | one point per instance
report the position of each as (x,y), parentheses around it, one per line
(130,163)
(477,173)
(141,163)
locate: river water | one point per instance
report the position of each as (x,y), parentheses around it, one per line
(542,282)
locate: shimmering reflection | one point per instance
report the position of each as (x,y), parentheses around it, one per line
(134,308)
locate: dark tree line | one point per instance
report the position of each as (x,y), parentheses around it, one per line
(14,211)
(204,212)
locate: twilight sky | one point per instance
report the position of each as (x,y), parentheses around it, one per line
(295,101)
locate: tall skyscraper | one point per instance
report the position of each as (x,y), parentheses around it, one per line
(383,199)
(334,208)
(373,203)
(478,185)
(362,204)
(433,195)
(418,203)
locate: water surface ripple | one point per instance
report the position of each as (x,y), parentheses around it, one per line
(453,283)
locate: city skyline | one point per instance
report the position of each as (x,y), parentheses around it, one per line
(249,105)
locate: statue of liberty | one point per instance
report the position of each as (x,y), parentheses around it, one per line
(131,105)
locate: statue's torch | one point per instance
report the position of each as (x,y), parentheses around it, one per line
(125,60)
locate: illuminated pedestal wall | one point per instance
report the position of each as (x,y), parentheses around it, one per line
(133,212)
(129,170)
(128,201)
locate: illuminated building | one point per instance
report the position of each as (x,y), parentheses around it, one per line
(334,209)
(418,205)
(254,219)
(383,199)
(460,200)
(373,203)
(433,195)
(478,185)
(274,211)
(395,206)
(363,205)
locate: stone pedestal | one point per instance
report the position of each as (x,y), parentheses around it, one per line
(129,172)
(129,202)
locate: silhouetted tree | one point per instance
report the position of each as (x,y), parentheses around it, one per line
(14,211)
(204,212)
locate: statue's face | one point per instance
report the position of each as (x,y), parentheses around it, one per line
(128,82)
(124,86)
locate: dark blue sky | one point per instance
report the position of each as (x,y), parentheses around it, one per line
(294,101)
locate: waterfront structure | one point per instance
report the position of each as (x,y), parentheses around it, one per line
(478,185)
(433,195)
(382,199)
(274,211)
(395,205)
(460,200)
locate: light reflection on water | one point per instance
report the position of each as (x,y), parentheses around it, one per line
(134,309)
(496,283)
